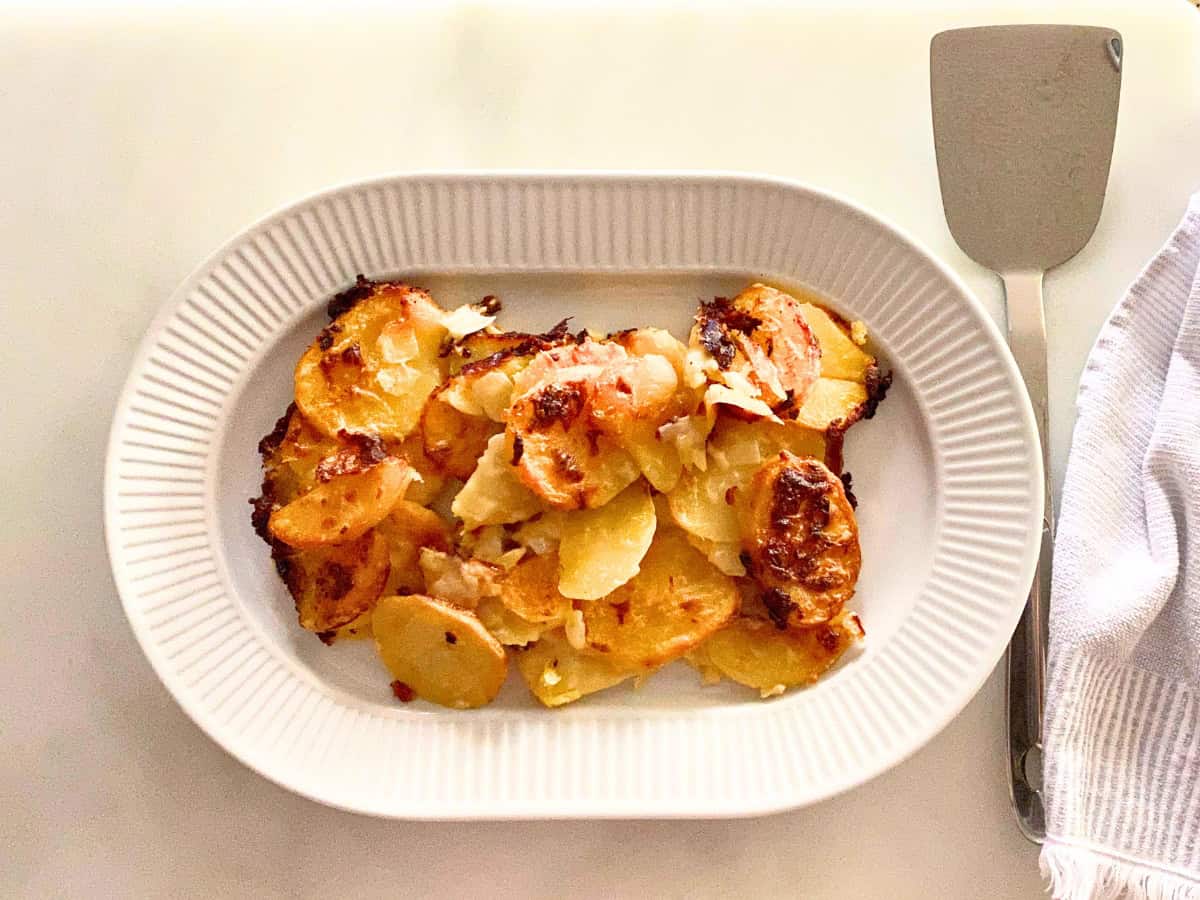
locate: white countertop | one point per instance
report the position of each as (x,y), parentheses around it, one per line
(136,142)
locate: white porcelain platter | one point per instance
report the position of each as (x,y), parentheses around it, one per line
(948,477)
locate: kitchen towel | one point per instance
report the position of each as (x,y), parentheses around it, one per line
(1122,743)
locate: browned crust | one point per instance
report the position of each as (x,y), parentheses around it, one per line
(715,321)
(877,384)
(343,301)
(806,572)
(523,345)
(271,441)
(361,453)
(558,403)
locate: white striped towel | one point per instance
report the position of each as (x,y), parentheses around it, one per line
(1122,750)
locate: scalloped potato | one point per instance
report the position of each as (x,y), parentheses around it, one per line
(599,505)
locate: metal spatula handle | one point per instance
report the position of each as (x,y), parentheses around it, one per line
(1026,694)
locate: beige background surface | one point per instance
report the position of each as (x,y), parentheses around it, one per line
(137,141)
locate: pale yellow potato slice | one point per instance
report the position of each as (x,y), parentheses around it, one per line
(343,508)
(453,439)
(442,653)
(506,626)
(557,673)
(371,370)
(841,357)
(602,548)
(676,601)
(832,401)
(657,458)
(755,653)
(494,495)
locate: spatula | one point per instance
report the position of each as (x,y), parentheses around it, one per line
(1023,123)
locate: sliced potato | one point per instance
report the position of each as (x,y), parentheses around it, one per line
(494,495)
(705,503)
(408,528)
(489,348)
(726,556)
(602,548)
(654,341)
(530,590)
(657,458)
(755,653)
(831,402)
(290,457)
(698,659)
(372,368)
(761,344)
(334,585)
(560,448)
(453,439)
(557,673)
(430,480)
(344,507)
(442,653)
(841,357)
(739,443)
(506,626)
(676,601)
(573,468)
(801,540)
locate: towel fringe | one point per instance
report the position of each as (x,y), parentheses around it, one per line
(1076,873)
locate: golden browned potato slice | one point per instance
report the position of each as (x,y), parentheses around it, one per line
(290,456)
(372,368)
(430,480)
(442,653)
(761,343)
(801,540)
(561,448)
(407,529)
(572,468)
(490,347)
(454,439)
(557,673)
(602,548)
(334,585)
(530,590)
(494,495)
(755,653)
(841,357)
(342,508)
(676,601)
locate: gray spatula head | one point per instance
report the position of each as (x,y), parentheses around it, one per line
(1023,122)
